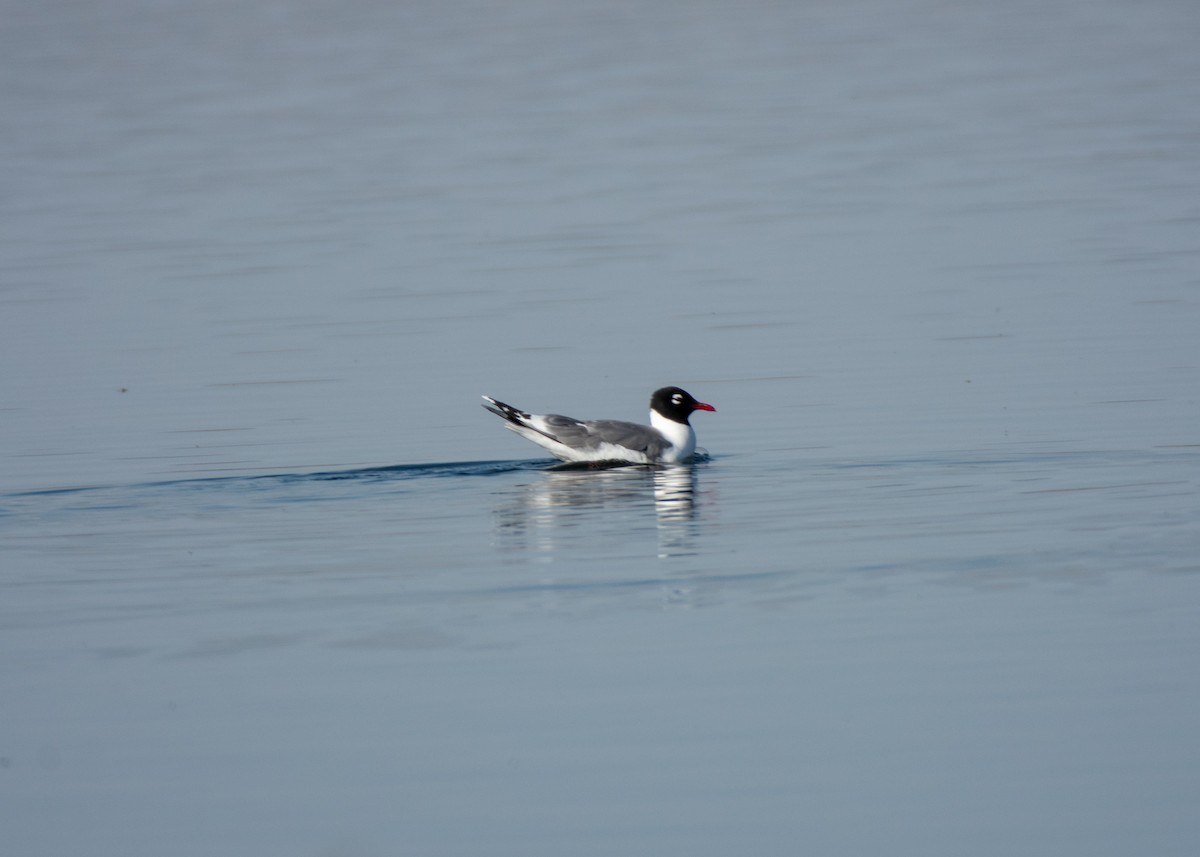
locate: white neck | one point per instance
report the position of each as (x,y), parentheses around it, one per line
(681,436)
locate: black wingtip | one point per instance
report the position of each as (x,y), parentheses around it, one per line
(507,412)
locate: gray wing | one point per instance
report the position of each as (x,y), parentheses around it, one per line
(591,434)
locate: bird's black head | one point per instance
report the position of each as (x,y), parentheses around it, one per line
(676,404)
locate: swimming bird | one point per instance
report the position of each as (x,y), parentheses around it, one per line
(669,439)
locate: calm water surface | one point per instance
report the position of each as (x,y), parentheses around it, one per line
(272,582)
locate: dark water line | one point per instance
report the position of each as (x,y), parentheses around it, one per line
(389,473)
(380,474)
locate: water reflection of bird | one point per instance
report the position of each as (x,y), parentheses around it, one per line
(563,507)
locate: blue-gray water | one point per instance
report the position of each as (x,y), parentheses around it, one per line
(272,582)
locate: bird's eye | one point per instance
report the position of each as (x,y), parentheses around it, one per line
(677,398)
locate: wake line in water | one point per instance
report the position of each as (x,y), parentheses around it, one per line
(419,471)
(389,473)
